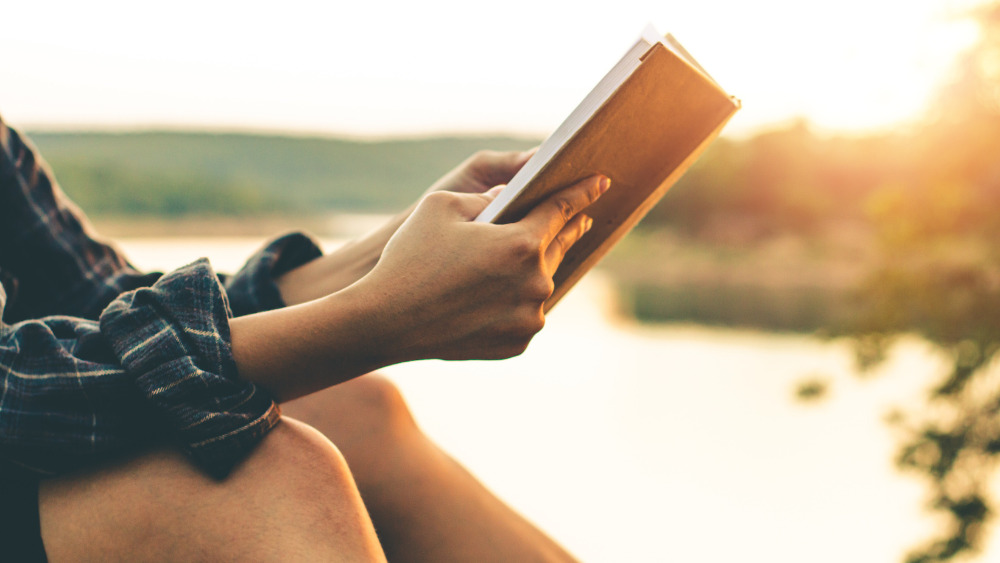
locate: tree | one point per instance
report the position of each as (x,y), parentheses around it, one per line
(940,277)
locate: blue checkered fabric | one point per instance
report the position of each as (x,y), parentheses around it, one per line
(97,358)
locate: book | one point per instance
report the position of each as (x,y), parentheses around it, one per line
(643,125)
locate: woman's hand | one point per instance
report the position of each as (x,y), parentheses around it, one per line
(447,287)
(482,172)
(352,261)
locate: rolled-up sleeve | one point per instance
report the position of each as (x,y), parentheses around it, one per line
(98,358)
(158,365)
(253,288)
(64,399)
(173,340)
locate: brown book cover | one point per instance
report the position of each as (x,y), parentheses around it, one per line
(658,114)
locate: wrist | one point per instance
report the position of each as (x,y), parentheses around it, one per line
(338,270)
(304,348)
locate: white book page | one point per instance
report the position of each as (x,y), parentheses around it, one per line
(671,43)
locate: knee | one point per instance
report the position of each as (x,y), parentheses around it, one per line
(305,492)
(298,466)
(295,449)
(365,413)
(369,421)
(291,491)
(381,406)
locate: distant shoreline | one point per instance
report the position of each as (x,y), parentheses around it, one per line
(201,225)
(329,225)
(781,284)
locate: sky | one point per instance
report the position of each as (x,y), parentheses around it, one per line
(395,68)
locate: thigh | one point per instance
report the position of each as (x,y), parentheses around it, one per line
(291,499)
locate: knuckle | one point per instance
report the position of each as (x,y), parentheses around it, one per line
(539,288)
(443,200)
(525,246)
(531,321)
(437,198)
(560,244)
(593,191)
(538,322)
(565,206)
(523,325)
(569,236)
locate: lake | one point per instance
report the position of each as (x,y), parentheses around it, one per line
(667,443)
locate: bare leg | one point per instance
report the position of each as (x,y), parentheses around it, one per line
(425,506)
(292,499)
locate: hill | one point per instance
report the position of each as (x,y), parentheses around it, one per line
(179,173)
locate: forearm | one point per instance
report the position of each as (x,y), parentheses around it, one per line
(303,348)
(339,269)
(430,284)
(354,260)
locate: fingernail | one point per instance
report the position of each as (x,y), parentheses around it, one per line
(604,184)
(588,223)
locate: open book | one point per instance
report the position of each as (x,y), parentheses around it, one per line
(643,125)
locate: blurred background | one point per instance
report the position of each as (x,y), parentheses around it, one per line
(792,358)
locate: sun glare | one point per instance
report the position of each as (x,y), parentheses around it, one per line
(853,65)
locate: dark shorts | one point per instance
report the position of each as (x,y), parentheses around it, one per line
(20,531)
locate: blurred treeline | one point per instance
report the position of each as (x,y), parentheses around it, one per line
(790,229)
(178,174)
(865,238)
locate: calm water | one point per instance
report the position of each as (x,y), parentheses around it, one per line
(679,443)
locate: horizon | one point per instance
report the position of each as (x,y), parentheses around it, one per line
(448,69)
(223,130)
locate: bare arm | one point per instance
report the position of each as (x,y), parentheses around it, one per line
(354,260)
(444,287)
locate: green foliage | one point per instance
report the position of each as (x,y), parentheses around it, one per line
(925,201)
(785,181)
(123,190)
(183,173)
(733,304)
(952,440)
(936,230)
(813,389)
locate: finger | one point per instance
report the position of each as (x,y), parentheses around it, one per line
(493,192)
(548,218)
(493,168)
(567,237)
(487,197)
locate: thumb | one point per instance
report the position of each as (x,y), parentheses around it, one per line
(493,168)
(487,198)
(484,199)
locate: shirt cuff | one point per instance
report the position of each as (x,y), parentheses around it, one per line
(174,339)
(253,288)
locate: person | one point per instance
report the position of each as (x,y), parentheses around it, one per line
(139,413)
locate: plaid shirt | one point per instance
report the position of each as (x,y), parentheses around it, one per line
(97,358)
